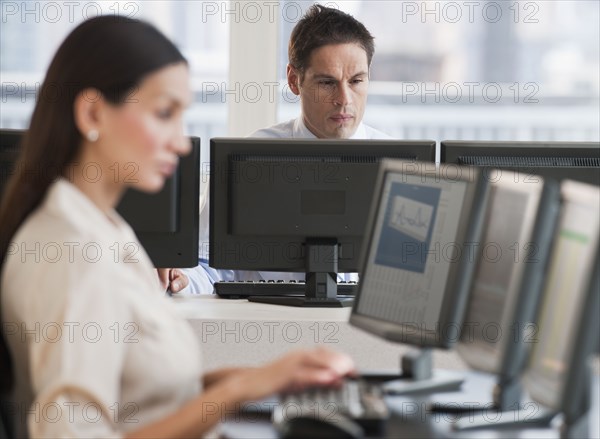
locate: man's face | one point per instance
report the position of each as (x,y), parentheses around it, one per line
(333,90)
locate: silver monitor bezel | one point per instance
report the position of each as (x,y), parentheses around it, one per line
(460,274)
(517,309)
(560,394)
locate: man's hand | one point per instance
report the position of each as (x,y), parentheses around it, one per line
(172,278)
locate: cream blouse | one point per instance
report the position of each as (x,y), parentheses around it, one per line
(98,349)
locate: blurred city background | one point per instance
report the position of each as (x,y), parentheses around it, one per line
(473,70)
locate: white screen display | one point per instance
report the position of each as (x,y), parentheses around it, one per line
(506,250)
(571,264)
(414,244)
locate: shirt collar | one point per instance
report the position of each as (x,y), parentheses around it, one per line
(302,132)
(65,198)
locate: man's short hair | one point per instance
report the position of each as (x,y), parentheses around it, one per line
(321,26)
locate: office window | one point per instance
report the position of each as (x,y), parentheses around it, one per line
(508,69)
(32,31)
(479,70)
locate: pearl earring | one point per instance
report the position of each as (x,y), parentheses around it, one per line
(93,135)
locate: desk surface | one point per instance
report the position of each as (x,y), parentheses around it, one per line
(411,417)
(227,336)
(212,307)
(238,332)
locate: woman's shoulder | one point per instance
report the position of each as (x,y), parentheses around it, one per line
(62,250)
(52,232)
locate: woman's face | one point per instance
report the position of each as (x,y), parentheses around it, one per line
(141,139)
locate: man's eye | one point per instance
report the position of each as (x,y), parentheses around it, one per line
(327,83)
(357,81)
(165,114)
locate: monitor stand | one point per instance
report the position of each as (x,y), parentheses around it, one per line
(529,415)
(418,376)
(532,415)
(506,396)
(321,279)
(503,409)
(577,424)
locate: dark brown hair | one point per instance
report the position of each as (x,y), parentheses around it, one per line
(321,26)
(111,54)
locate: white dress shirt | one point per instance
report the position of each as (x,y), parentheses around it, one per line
(296,128)
(98,349)
(203,276)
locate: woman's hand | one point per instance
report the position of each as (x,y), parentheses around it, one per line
(231,387)
(172,278)
(293,372)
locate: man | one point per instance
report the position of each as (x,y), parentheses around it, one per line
(330,54)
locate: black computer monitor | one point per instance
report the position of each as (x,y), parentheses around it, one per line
(559,160)
(9,152)
(166,223)
(500,318)
(423,233)
(558,374)
(296,205)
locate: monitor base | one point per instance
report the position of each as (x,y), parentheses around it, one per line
(578,428)
(305,302)
(440,381)
(506,398)
(508,419)
(417,376)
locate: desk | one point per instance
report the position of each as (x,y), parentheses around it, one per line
(238,332)
(242,333)
(411,417)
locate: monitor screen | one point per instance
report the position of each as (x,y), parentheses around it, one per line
(166,223)
(519,225)
(271,197)
(568,322)
(559,160)
(420,256)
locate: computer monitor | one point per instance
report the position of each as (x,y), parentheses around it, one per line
(296,205)
(557,375)
(499,322)
(559,160)
(9,152)
(166,223)
(423,230)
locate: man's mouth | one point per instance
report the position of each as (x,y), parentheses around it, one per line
(340,118)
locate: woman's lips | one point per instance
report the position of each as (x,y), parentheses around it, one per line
(167,169)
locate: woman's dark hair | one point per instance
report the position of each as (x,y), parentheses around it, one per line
(111,54)
(321,26)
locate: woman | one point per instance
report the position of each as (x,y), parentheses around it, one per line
(99,351)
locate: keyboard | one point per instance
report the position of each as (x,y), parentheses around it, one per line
(357,400)
(244,289)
